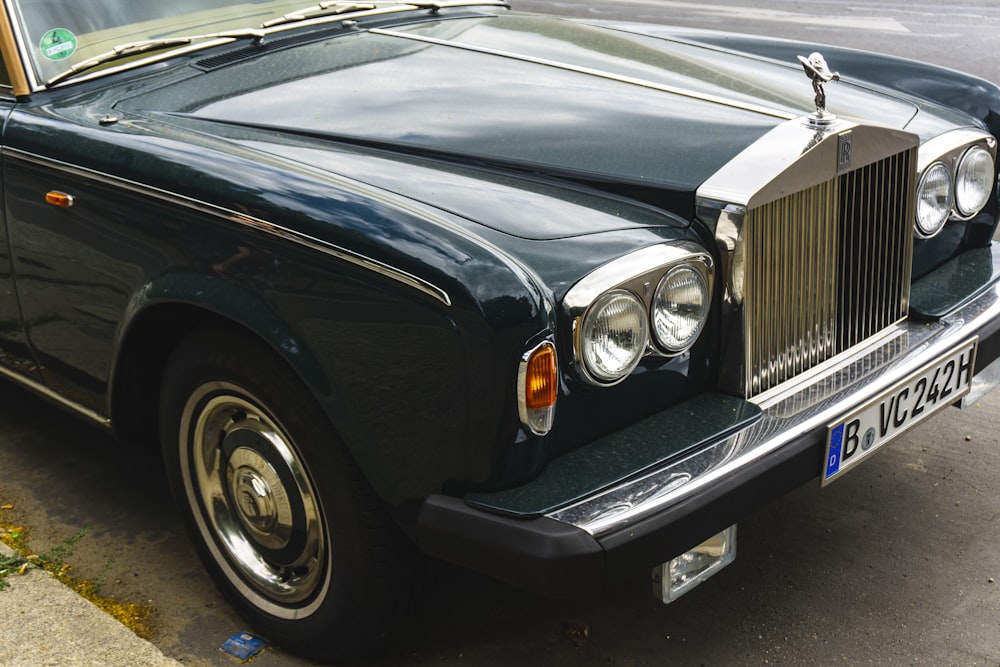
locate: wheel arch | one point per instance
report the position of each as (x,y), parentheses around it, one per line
(162,316)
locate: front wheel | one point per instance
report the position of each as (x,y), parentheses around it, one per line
(281,515)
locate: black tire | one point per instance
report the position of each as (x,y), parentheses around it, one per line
(281,515)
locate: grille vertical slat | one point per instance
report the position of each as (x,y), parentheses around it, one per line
(826,268)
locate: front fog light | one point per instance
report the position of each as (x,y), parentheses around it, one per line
(676,577)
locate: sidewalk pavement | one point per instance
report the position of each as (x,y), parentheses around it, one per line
(43,623)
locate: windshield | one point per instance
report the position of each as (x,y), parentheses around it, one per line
(59,34)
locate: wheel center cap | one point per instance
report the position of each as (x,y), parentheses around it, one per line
(259,499)
(255,500)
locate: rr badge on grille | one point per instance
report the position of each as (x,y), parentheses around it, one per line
(844,152)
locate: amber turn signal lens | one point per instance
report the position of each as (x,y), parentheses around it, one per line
(60,199)
(541,383)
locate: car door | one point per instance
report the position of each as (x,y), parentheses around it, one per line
(15,354)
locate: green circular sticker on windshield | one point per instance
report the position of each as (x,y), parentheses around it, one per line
(58,44)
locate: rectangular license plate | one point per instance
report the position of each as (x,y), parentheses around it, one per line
(936,385)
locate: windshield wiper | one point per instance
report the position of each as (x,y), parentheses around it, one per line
(333,8)
(140,47)
(319,10)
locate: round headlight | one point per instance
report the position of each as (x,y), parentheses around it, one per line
(974,181)
(614,336)
(680,307)
(933,200)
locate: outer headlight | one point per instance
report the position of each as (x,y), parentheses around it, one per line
(614,336)
(680,307)
(973,181)
(934,197)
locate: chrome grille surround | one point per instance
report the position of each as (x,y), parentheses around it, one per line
(815,233)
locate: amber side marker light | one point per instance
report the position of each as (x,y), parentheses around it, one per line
(60,199)
(538,387)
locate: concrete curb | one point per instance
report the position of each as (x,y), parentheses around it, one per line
(42,623)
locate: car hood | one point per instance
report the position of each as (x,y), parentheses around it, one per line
(532,94)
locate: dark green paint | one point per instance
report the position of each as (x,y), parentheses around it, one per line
(955,283)
(609,460)
(498,180)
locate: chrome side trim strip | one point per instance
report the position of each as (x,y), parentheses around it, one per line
(47,393)
(683,92)
(810,410)
(258,224)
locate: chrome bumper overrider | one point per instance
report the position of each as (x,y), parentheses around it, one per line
(799,408)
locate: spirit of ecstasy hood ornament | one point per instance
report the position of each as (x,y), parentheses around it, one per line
(818,71)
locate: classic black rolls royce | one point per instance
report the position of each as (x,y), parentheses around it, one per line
(556,300)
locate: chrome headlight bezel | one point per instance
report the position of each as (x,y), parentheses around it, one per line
(954,152)
(638,275)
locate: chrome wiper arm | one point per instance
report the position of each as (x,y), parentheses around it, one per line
(136,48)
(319,10)
(335,8)
(448,4)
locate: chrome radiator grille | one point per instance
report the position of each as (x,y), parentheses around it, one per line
(825,269)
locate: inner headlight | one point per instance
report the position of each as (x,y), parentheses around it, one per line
(614,336)
(934,196)
(974,181)
(680,307)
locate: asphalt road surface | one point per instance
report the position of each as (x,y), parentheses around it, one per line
(898,563)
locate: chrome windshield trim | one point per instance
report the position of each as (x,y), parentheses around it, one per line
(259,224)
(603,74)
(809,410)
(47,393)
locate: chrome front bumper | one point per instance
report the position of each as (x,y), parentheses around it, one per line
(805,409)
(613,532)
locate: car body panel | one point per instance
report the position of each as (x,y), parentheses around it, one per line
(399,202)
(559,81)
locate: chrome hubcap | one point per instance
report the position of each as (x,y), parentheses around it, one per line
(260,500)
(258,511)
